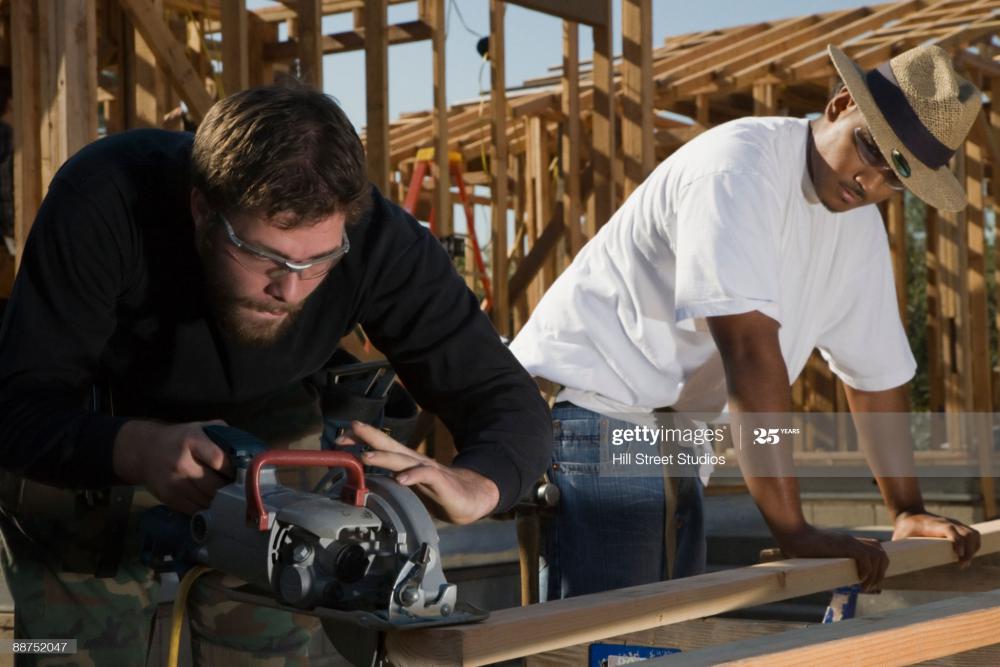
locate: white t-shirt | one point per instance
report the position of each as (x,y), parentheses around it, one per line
(728,224)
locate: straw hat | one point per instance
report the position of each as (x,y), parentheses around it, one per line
(919,111)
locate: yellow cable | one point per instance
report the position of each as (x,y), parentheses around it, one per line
(177,617)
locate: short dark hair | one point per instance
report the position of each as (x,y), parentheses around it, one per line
(280,149)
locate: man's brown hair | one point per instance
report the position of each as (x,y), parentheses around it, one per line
(280,149)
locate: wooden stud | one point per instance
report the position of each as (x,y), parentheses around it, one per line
(896,223)
(637,89)
(442,188)
(26,102)
(498,132)
(310,35)
(144,81)
(235,46)
(979,335)
(512,633)
(170,55)
(571,136)
(603,121)
(261,72)
(377,93)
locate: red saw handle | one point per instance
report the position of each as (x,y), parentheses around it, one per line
(355,492)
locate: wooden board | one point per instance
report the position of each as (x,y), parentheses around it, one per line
(512,633)
(377,94)
(902,637)
(498,212)
(235,46)
(170,56)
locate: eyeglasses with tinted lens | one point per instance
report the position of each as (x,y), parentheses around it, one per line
(274,265)
(872,156)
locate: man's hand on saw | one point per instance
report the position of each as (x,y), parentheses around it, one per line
(457,495)
(178,463)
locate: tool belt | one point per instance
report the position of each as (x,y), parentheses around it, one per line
(100,514)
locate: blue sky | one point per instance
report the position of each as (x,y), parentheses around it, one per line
(534,43)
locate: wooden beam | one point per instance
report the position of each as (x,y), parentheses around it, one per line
(901,637)
(603,121)
(235,46)
(442,184)
(170,56)
(350,40)
(512,633)
(540,251)
(896,223)
(498,132)
(570,103)
(590,12)
(27,119)
(377,94)
(981,380)
(637,91)
(310,51)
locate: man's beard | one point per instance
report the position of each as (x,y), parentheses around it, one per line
(229,310)
(230,313)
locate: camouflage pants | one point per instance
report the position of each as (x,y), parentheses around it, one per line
(112,618)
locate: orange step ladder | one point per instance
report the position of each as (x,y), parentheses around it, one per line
(421,168)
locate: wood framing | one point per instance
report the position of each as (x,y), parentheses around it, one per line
(513,633)
(498,212)
(603,122)
(309,17)
(591,12)
(902,637)
(27,117)
(170,55)
(235,46)
(637,91)
(571,134)
(350,40)
(442,187)
(377,93)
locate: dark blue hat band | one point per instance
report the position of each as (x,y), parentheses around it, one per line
(903,119)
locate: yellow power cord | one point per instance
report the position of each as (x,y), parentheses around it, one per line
(177,617)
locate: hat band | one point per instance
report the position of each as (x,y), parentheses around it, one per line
(903,120)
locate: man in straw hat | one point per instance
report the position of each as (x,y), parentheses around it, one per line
(749,247)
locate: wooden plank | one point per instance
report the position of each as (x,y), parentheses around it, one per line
(902,637)
(513,633)
(350,40)
(637,91)
(143,81)
(377,94)
(442,200)
(498,133)
(686,636)
(286,11)
(603,122)
(310,50)
(571,135)
(935,322)
(896,223)
(25,103)
(260,71)
(235,46)
(837,31)
(590,12)
(981,380)
(170,56)
(533,262)
(765,99)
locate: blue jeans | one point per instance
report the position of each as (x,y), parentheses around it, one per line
(608,531)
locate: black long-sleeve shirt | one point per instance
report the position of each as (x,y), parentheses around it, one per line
(111,290)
